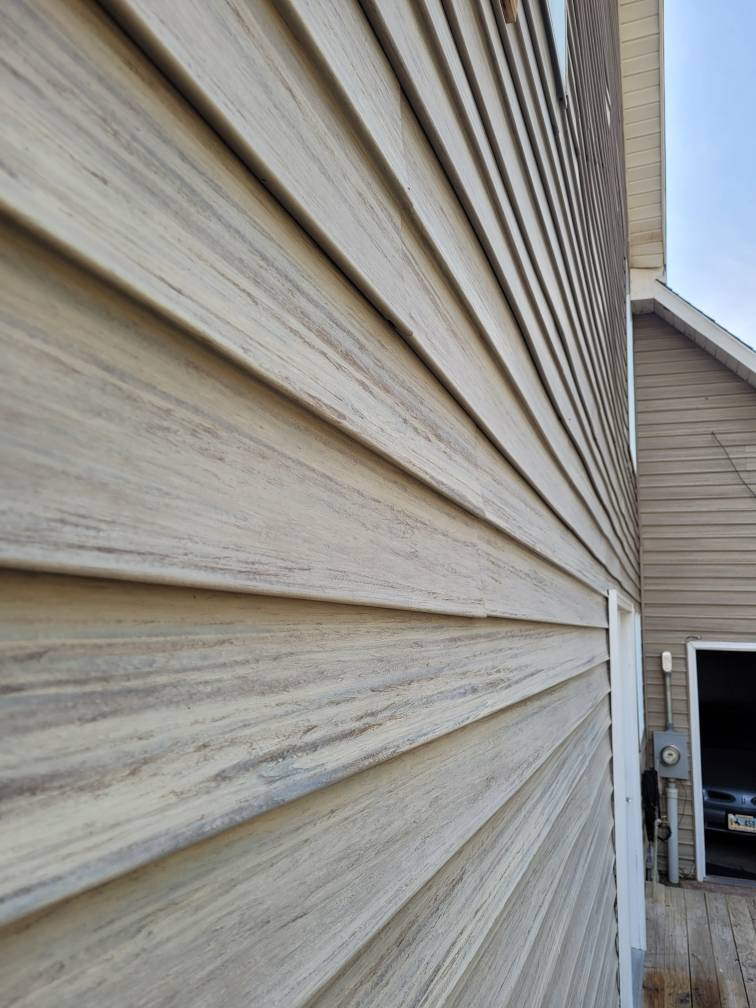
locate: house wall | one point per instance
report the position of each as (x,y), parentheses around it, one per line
(315,479)
(698,520)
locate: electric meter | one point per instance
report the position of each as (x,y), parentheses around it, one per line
(670,755)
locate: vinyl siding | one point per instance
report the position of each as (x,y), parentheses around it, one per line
(316,478)
(698,520)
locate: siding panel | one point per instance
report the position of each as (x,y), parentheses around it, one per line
(698,520)
(261,696)
(177,447)
(513,943)
(145,205)
(451,917)
(219,91)
(224,916)
(316,476)
(415,36)
(260,295)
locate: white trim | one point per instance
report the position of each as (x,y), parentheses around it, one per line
(695,762)
(628,837)
(647,242)
(693,647)
(631,434)
(624,602)
(654,296)
(639,677)
(643,280)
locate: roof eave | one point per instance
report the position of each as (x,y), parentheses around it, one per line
(656,297)
(642,62)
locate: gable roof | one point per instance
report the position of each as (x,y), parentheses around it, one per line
(708,334)
(642,63)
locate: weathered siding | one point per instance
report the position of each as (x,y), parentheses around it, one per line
(698,520)
(315,477)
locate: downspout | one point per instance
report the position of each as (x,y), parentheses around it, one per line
(673,858)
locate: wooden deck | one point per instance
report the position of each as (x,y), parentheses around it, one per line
(701,948)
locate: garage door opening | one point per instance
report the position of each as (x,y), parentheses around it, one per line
(726,689)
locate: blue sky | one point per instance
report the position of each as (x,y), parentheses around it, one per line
(710,75)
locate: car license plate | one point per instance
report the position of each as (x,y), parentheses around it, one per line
(741,823)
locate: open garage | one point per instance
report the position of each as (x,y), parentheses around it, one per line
(727,719)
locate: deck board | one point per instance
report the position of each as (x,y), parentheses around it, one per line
(745,943)
(731,988)
(703,976)
(676,967)
(701,948)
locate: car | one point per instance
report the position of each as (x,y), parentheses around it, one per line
(729,791)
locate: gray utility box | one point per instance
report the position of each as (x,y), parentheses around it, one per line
(671,743)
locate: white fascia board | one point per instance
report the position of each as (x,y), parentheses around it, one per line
(651,295)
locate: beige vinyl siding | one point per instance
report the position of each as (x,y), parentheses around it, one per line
(698,520)
(315,478)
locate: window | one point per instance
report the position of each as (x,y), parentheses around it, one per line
(557,17)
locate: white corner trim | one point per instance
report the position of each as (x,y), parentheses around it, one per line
(626,797)
(643,285)
(695,762)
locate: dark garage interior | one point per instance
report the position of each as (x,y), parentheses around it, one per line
(727,710)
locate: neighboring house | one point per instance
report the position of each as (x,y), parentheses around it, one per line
(696,421)
(319,514)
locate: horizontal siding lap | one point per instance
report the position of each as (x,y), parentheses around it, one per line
(315,365)
(537,977)
(224,429)
(420,64)
(237,453)
(504,957)
(599,983)
(264,689)
(469,33)
(451,918)
(317,476)
(267,298)
(444,334)
(294,135)
(575,951)
(450,260)
(698,519)
(315,855)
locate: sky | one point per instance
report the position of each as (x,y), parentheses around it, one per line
(710,80)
